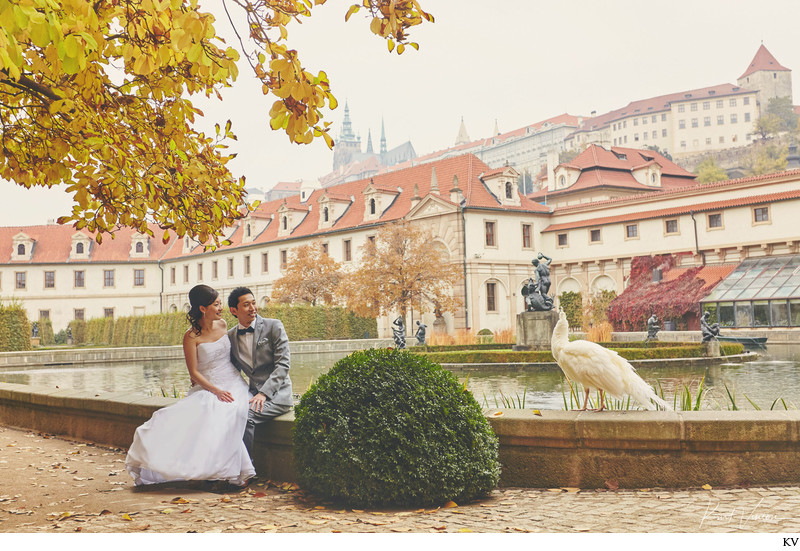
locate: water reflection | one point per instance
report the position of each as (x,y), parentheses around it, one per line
(774,376)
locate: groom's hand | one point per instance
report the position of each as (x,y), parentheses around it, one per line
(257,402)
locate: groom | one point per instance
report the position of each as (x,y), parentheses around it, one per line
(260,350)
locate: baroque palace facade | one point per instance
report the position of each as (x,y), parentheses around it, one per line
(605,207)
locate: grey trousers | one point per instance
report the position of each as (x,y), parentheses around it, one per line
(254,418)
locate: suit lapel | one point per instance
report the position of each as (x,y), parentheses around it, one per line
(259,331)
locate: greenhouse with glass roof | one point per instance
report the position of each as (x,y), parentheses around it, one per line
(759,292)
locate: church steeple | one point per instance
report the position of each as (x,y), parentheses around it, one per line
(347,126)
(383,138)
(462,137)
(369,142)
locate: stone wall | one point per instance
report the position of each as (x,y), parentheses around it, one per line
(633,449)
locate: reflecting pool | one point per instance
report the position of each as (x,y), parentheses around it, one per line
(775,375)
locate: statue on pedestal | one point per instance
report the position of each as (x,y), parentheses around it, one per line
(420,334)
(652,328)
(399,332)
(535,292)
(709,331)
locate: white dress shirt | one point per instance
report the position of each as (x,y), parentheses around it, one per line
(246,344)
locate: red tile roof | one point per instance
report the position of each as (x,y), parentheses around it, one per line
(399,183)
(763,61)
(674,211)
(658,104)
(604,168)
(53,244)
(710,273)
(694,186)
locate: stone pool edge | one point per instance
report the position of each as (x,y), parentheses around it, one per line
(631,449)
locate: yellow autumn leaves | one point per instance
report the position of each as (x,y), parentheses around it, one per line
(96,95)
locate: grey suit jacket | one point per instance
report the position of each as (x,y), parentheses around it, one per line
(270,372)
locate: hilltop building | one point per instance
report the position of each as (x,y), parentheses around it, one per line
(694,121)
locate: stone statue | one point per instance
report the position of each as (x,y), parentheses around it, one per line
(542,272)
(420,334)
(399,332)
(528,290)
(708,331)
(652,328)
(35,330)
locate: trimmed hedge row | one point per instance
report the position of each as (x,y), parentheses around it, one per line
(545,356)
(301,323)
(15,329)
(457,347)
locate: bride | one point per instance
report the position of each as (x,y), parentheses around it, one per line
(200,436)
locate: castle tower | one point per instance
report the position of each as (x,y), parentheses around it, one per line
(347,144)
(768,77)
(383,138)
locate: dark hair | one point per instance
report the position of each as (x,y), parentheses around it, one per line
(200,295)
(233,298)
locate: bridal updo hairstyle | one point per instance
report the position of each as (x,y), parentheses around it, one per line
(200,295)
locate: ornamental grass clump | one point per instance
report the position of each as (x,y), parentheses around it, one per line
(386,427)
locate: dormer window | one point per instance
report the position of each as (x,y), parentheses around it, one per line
(562,181)
(79,248)
(285,222)
(508,190)
(22,247)
(247,230)
(139,247)
(325,214)
(372,206)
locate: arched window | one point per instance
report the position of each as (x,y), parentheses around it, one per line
(79,248)
(21,250)
(247,230)
(372,206)
(285,222)
(325,214)
(508,190)
(139,247)
(653,178)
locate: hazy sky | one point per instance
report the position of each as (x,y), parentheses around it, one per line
(514,61)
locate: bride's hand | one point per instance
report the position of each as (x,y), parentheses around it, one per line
(223,395)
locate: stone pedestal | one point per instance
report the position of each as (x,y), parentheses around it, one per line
(535,330)
(34,342)
(712,349)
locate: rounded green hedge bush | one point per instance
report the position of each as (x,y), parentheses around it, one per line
(387,427)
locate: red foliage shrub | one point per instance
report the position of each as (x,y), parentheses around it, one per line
(673,299)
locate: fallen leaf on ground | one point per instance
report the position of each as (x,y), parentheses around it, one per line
(556,490)
(259,494)
(317,522)
(440,528)
(179,500)
(450,504)
(571,490)
(126,516)
(464,530)
(270,527)
(537,412)
(612,484)
(497,414)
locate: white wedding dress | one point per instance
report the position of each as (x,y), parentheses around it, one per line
(199,437)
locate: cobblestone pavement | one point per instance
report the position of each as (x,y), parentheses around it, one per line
(55,485)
